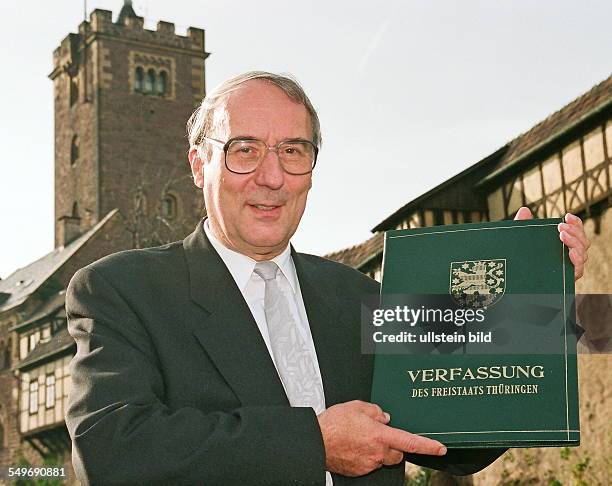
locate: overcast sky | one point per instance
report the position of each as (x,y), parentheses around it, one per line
(409,93)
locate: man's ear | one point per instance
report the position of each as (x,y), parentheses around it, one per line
(197,166)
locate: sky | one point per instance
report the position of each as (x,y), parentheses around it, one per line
(409,93)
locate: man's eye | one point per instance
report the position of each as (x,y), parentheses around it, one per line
(244,149)
(295,150)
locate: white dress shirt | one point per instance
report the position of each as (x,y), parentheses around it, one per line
(252,287)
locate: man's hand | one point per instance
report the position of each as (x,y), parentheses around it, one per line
(357,439)
(572,234)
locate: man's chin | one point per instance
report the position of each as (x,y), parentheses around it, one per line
(265,244)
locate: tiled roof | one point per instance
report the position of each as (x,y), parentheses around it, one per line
(47,308)
(593,101)
(358,255)
(423,200)
(20,284)
(568,115)
(43,350)
(596,99)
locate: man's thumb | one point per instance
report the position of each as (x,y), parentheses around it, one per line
(523,213)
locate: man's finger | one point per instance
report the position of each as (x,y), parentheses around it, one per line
(523,213)
(383,418)
(576,222)
(576,231)
(572,242)
(374,412)
(392,457)
(416,444)
(578,262)
(573,219)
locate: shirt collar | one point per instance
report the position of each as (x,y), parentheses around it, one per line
(241,266)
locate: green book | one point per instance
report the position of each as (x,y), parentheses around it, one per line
(475,335)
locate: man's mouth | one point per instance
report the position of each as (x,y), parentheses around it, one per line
(264,207)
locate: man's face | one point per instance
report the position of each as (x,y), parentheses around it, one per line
(255,214)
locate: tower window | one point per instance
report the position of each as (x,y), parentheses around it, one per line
(74,150)
(168,206)
(151,74)
(162,82)
(149,82)
(74,90)
(139,79)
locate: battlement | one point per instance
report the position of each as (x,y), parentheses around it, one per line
(132,27)
(65,54)
(129,28)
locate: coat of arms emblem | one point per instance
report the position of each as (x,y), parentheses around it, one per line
(478,283)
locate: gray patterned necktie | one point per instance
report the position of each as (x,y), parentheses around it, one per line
(292,356)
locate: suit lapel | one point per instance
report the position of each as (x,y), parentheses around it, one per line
(228,332)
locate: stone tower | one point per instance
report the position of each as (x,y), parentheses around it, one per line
(122,96)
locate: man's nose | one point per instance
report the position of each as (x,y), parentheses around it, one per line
(270,172)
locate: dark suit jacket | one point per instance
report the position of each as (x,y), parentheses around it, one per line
(172,382)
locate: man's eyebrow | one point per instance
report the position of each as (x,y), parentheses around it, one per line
(245,137)
(252,137)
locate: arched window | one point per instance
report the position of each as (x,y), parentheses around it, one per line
(74,150)
(168,206)
(139,80)
(149,82)
(162,82)
(75,209)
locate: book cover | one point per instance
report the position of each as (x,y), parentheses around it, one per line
(475,337)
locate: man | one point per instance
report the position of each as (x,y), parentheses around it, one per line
(228,358)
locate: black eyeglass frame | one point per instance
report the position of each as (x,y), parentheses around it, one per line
(225,146)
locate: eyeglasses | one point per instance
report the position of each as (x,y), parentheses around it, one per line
(243,155)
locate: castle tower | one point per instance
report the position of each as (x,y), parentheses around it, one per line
(122,97)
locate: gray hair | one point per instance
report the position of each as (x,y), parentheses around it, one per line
(201,122)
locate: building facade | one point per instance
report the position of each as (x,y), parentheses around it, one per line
(36,346)
(122,96)
(562,164)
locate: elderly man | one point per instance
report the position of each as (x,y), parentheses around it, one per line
(228,358)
